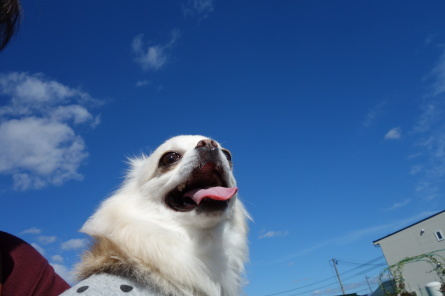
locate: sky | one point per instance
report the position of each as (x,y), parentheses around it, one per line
(333,111)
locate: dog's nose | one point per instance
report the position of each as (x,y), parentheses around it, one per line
(207,144)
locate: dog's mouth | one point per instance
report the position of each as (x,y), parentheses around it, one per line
(205,191)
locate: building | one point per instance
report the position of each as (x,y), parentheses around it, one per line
(407,248)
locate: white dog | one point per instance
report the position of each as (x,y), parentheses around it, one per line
(176,223)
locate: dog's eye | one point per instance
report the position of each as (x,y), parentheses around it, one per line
(169,158)
(227,154)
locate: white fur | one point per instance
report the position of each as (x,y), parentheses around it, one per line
(197,254)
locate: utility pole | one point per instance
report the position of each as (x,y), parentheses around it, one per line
(338,276)
(368,285)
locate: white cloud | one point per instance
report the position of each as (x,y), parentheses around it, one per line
(398,205)
(428,189)
(429,135)
(47,239)
(142,83)
(33,230)
(327,291)
(74,244)
(64,272)
(438,86)
(393,134)
(201,8)
(152,57)
(38,248)
(78,114)
(415,169)
(390,227)
(38,138)
(430,114)
(357,234)
(57,258)
(270,234)
(373,114)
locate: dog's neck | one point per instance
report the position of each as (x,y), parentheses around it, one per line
(198,258)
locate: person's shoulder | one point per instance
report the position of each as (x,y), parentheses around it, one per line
(25,271)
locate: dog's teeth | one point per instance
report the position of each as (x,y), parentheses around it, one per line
(181,187)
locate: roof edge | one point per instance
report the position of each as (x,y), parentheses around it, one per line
(429,217)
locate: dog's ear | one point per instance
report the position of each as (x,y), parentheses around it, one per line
(141,169)
(134,164)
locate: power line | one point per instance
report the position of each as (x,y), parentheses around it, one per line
(365,271)
(335,283)
(302,287)
(321,287)
(362,264)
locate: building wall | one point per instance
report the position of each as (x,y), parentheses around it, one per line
(418,239)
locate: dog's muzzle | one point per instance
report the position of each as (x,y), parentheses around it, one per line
(206,190)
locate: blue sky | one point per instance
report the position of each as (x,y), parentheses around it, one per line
(333,110)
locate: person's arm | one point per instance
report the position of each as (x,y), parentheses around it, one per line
(24,271)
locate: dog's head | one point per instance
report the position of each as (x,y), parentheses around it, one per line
(188,178)
(196,173)
(177,215)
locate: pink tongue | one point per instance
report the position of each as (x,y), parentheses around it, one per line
(216,193)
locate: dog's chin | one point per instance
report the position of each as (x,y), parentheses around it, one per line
(178,199)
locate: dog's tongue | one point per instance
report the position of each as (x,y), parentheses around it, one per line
(216,193)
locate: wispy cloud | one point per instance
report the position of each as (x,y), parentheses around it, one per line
(38,138)
(38,248)
(373,114)
(429,190)
(415,169)
(354,286)
(45,240)
(353,236)
(74,244)
(329,291)
(393,134)
(383,228)
(430,115)
(200,8)
(152,57)
(33,230)
(438,86)
(270,234)
(142,83)
(398,205)
(57,259)
(429,132)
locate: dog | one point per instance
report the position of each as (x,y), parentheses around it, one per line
(176,224)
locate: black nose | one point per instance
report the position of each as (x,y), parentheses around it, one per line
(207,144)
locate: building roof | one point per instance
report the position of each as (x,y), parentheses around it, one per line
(375,242)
